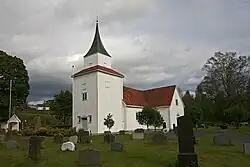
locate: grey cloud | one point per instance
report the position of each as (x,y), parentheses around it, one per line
(154,43)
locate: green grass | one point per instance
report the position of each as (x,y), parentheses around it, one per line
(136,154)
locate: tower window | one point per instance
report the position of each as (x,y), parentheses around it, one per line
(107,84)
(176,102)
(84,96)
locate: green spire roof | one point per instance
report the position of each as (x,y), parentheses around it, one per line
(97,46)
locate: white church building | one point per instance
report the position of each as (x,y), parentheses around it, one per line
(98,90)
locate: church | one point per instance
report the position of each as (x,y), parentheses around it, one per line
(98,90)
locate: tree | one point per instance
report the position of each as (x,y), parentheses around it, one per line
(108,121)
(150,117)
(227,73)
(192,108)
(12,68)
(62,106)
(157,119)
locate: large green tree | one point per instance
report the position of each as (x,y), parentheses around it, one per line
(12,68)
(149,117)
(225,87)
(62,106)
(227,73)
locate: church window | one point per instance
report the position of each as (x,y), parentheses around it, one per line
(176,102)
(84,96)
(107,84)
(90,118)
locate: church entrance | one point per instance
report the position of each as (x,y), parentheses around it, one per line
(85,123)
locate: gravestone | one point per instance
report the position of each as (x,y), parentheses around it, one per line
(186,156)
(8,135)
(73,139)
(116,147)
(159,138)
(58,139)
(2,138)
(89,157)
(68,146)
(122,132)
(171,135)
(138,136)
(246,148)
(108,137)
(38,123)
(222,140)
(84,136)
(11,144)
(35,148)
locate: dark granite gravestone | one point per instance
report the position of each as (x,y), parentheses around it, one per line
(35,148)
(187,156)
(116,147)
(84,136)
(246,148)
(171,135)
(122,132)
(89,157)
(11,144)
(222,140)
(58,139)
(109,138)
(159,138)
(175,129)
(8,135)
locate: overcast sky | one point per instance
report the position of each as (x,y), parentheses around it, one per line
(152,42)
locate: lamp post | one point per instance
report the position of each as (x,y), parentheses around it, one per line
(10,100)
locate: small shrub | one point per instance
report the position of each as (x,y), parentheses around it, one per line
(139,130)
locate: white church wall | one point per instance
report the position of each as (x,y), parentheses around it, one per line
(110,94)
(132,123)
(176,109)
(86,83)
(164,111)
(97,59)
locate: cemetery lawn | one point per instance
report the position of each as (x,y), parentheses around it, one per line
(136,154)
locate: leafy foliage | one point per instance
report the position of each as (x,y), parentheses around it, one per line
(223,95)
(12,68)
(108,121)
(62,106)
(150,117)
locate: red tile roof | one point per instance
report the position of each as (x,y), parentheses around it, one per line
(153,97)
(100,69)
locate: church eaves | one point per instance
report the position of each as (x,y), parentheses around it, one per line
(97,46)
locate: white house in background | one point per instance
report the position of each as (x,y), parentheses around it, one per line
(40,108)
(14,122)
(98,90)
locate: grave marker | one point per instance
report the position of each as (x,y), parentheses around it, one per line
(84,136)
(89,157)
(246,148)
(186,156)
(58,139)
(116,147)
(222,140)
(35,148)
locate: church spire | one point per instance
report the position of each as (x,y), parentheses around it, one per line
(97,46)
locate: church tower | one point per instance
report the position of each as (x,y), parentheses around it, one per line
(97,90)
